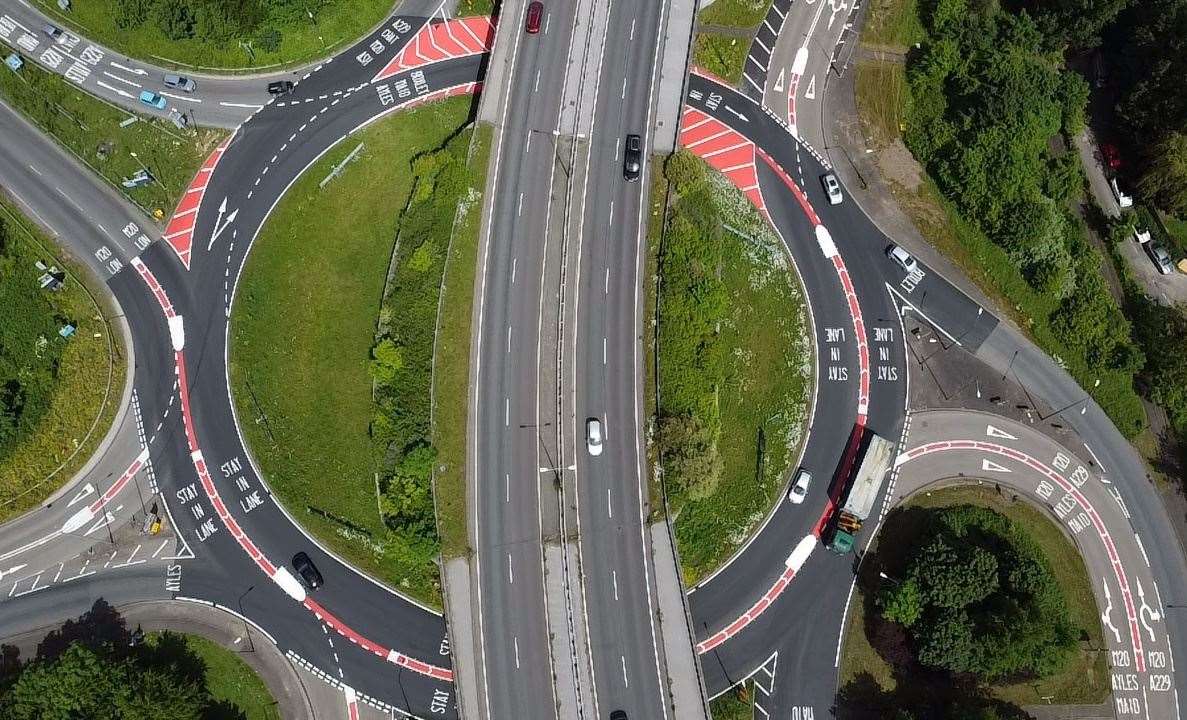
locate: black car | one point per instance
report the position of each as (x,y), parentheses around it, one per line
(632,160)
(280,87)
(307,570)
(618,715)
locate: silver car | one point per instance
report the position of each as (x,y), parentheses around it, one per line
(832,188)
(180,82)
(902,258)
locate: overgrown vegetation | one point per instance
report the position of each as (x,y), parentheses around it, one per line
(451,363)
(722,55)
(90,128)
(445,189)
(57,396)
(304,353)
(985,99)
(94,667)
(737,703)
(734,364)
(220,34)
(970,559)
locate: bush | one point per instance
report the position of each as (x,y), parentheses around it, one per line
(269,40)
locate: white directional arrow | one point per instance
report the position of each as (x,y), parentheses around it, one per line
(1147,611)
(86,490)
(736,114)
(990,466)
(779,81)
(810,93)
(10,570)
(991,431)
(1105,617)
(219,225)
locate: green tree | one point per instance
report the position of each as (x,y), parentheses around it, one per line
(1164,177)
(955,576)
(690,456)
(1074,23)
(902,602)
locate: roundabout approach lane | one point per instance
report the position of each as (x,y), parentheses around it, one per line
(957,446)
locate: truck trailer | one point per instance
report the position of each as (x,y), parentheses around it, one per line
(861,494)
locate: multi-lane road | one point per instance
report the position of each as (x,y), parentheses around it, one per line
(565,607)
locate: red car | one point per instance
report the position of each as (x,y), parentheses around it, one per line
(535,15)
(1112,156)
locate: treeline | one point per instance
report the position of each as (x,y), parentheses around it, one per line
(219,22)
(402,359)
(1145,49)
(95,668)
(987,96)
(30,348)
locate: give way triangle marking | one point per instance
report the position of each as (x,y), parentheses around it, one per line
(988,465)
(991,431)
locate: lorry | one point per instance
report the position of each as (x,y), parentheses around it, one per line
(861,494)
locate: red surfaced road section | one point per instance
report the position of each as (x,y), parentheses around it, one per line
(232,525)
(1069,487)
(179,233)
(437,41)
(734,155)
(724,148)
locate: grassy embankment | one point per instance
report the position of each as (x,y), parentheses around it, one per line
(69,389)
(230,681)
(734,362)
(883,97)
(90,129)
(1084,680)
(721,48)
(304,329)
(279,34)
(735,704)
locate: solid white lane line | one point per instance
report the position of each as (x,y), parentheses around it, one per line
(241,105)
(614,582)
(117,78)
(181,97)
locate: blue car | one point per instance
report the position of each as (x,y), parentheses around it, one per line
(152,99)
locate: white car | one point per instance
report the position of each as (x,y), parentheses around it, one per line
(593,436)
(833,188)
(799,488)
(902,258)
(1123,200)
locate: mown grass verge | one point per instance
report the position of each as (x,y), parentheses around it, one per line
(78,382)
(90,129)
(304,327)
(241,36)
(722,55)
(734,363)
(872,678)
(451,361)
(229,680)
(735,13)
